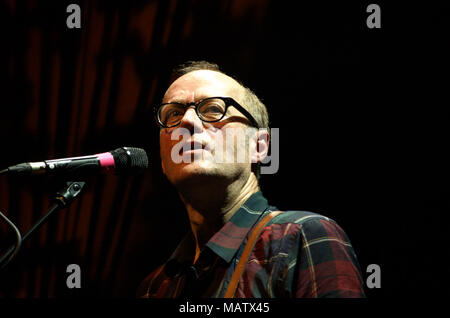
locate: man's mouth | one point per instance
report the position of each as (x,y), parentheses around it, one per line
(192,146)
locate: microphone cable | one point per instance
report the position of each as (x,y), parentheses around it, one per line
(15,248)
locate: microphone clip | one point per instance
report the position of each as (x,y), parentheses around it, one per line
(69,193)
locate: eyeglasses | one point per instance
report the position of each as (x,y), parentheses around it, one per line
(210,110)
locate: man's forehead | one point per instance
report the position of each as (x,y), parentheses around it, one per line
(200,84)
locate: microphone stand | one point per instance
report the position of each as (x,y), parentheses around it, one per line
(63,199)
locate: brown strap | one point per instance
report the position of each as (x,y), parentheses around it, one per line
(246,253)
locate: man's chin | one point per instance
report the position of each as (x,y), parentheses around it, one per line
(199,167)
(194,170)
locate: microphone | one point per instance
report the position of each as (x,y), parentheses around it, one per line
(124,160)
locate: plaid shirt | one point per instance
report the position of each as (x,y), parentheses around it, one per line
(298,254)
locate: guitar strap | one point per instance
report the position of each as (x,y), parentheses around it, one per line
(232,286)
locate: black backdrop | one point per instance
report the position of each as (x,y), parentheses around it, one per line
(362,117)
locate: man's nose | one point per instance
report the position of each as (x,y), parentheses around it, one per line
(191,121)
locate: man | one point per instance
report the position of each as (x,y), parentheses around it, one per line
(238,245)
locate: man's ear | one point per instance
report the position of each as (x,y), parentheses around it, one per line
(262,145)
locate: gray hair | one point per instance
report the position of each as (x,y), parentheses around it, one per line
(251,102)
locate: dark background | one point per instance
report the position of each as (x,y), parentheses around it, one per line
(362,116)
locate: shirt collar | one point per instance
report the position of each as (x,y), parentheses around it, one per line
(227,240)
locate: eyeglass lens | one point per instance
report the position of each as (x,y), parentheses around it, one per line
(208,110)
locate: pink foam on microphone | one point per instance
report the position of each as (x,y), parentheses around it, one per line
(106,160)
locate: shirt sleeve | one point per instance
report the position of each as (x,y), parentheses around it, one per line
(327,263)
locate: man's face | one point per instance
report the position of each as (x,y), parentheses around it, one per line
(205,149)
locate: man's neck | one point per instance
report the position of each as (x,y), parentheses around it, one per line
(210,207)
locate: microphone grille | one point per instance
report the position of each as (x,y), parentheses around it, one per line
(130,160)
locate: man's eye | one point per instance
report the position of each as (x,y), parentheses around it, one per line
(213,109)
(173,113)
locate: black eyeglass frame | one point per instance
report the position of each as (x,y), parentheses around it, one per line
(228,102)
